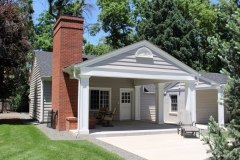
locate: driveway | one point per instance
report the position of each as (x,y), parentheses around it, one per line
(161,146)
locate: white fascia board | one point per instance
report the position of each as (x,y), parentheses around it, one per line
(134,46)
(135,74)
(207,88)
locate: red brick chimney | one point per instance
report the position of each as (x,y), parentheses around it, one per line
(67,50)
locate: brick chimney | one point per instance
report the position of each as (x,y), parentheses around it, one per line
(67,50)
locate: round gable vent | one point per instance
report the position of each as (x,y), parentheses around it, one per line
(144,52)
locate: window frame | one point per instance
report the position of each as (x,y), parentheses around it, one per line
(100,89)
(170,97)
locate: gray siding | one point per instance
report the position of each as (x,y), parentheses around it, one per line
(128,61)
(115,84)
(147,106)
(207,105)
(35,93)
(47,99)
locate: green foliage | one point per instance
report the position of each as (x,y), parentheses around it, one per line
(162,24)
(203,15)
(228,47)
(71,7)
(99,49)
(117,19)
(14,46)
(43,39)
(216,140)
(24,142)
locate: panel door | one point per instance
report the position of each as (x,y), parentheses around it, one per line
(125,104)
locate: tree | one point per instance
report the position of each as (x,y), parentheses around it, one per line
(71,7)
(101,48)
(229,51)
(116,18)
(14,46)
(44,28)
(43,38)
(202,14)
(162,24)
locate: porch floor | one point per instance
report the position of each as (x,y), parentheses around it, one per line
(130,127)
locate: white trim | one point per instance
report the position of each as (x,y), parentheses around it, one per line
(83,103)
(135,74)
(42,103)
(190,98)
(134,46)
(159,103)
(101,89)
(220,107)
(170,99)
(146,54)
(137,103)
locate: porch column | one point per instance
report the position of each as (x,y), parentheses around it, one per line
(220,107)
(137,102)
(83,105)
(159,99)
(190,98)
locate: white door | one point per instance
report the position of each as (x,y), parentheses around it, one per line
(125,103)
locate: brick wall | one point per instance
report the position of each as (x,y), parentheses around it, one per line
(67,50)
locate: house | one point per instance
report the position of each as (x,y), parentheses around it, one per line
(142,81)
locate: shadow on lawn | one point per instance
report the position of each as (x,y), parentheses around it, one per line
(10,121)
(16,121)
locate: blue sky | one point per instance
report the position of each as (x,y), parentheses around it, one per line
(41,5)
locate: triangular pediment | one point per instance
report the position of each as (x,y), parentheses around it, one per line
(140,57)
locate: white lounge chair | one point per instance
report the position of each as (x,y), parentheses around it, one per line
(186,124)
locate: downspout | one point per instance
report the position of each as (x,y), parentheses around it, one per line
(42,103)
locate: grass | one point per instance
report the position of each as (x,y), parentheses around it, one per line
(28,142)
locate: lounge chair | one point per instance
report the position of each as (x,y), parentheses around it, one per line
(100,114)
(107,118)
(186,124)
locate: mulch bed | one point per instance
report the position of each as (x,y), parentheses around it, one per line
(10,121)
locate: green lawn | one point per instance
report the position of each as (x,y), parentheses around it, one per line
(28,142)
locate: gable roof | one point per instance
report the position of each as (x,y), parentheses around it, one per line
(44,61)
(143,43)
(216,77)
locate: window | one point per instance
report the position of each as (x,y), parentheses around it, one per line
(174,106)
(126,97)
(99,98)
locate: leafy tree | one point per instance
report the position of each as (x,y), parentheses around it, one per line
(116,18)
(14,46)
(44,28)
(162,24)
(224,10)
(72,7)
(229,51)
(43,32)
(202,14)
(101,48)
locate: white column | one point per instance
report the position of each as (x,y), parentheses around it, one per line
(220,107)
(83,105)
(159,103)
(137,102)
(190,98)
